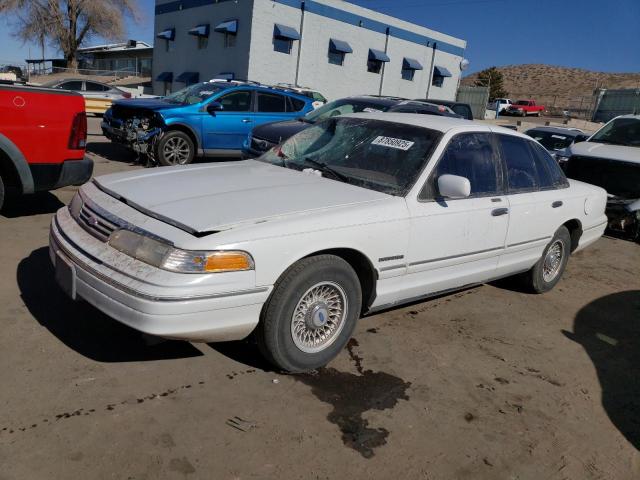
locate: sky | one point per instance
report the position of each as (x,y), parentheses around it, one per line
(600,35)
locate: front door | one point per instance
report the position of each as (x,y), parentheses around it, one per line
(228,128)
(455,242)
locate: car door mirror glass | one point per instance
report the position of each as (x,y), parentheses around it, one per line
(454,186)
(214,107)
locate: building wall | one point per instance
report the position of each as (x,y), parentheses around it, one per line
(254,56)
(184,55)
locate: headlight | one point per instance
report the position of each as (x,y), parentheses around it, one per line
(167,257)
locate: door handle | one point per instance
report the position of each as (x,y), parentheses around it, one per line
(496,212)
(557,203)
(496,200)
(246,120)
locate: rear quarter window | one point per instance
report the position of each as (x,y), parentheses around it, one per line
(295,104)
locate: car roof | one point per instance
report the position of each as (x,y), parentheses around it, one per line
(434,122)
(376,99)
(257,86)
(559,130)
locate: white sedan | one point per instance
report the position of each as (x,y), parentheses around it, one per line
(355,214)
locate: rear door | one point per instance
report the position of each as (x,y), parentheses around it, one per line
(227,129)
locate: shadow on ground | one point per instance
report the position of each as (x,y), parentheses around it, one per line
(112,152)
(609,331)
(245,352)
(82,327)
(35,204)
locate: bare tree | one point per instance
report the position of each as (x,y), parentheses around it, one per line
(66,24)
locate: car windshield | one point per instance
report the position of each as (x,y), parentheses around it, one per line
(193,94)
(378,155)
(342,107)
(551,140)
(621,131)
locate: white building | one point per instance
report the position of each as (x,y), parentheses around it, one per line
(332,46)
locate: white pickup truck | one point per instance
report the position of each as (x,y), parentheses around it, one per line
(610,158)
(500,104)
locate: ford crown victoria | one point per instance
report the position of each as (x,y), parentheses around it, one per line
(355,214)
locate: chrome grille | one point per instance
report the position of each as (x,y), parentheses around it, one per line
(94,223)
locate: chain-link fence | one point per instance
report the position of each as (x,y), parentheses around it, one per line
(574,106)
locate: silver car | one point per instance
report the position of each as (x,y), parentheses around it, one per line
(98,96)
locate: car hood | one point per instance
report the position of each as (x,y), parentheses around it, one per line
(610,152)
(277,132)
(210,198)
(146,103)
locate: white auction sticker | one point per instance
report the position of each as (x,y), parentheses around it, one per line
(393,143)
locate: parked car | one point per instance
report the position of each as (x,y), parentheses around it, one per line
(423,108)
(500,104)
(267,136)
(355,214)
(318,99)
(98,96)
(610,158)
(525,107)
(43,135)
(462,109)
(557,139)
(209,118)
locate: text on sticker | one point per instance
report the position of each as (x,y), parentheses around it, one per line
(393,143)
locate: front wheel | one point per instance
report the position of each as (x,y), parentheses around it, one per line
(175,148)
(311,314)
(547,272)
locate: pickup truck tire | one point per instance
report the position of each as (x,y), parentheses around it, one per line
(547,272)
(175,148)
(311,314)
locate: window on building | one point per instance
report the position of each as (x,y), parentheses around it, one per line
(268,102)
(521,169)
(437,81)
(374,66)
(336,58)
(408,73)
(229,40)
(203,42)
(282,45)
(439,74)
(239,101)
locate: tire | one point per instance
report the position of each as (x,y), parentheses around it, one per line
(539,279)
(287,321)
(175,148)
(2,193)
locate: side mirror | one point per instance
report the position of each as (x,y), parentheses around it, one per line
(454,186)
(214,107)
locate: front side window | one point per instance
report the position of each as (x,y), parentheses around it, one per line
(521,169)
(282,45)
(239,101)
(269,102)
(472,156)
(379,155)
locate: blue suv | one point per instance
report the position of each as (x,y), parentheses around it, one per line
(210,118)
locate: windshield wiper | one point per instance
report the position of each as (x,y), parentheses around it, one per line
(324,168)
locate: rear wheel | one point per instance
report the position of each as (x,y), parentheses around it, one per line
(311,314)
(175,148)
(547,272)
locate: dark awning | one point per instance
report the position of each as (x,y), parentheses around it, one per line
(230,26)
(339,46)
(200,31)
(441,72)
(411,64)
(188,77)
(282,31)
(168,34)
(378,55)
(165,77)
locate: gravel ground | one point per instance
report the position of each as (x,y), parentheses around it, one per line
(488,383)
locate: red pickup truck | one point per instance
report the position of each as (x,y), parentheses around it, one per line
(43,135)
(525,107)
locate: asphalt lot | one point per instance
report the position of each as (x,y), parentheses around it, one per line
(488,383)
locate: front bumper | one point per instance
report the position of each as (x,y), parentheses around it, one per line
(49,176)
(166,311)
